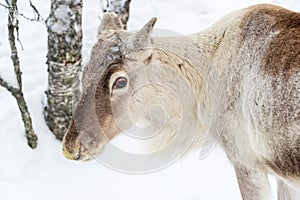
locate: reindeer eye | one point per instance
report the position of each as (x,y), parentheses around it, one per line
(120,83)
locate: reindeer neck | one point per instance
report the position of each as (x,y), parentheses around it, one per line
(193,54)
(202,58)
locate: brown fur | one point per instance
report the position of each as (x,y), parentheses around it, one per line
(281,65)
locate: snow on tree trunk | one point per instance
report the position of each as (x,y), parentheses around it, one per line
(13,27)
(121,8)
(64,63)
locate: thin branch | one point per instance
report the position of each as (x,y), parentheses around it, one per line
(17,29)
(16,13)
(12,26)
(40,20)
(7,7)
(39,16)
(4,84)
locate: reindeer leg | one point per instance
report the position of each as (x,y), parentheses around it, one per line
(253,184)
(286,192)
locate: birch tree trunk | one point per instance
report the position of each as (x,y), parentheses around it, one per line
(64,63)
(13,28)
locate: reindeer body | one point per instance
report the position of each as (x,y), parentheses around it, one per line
(245,75)
(260,129)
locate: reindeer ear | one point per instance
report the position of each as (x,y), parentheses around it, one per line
(110,21)
(143,37)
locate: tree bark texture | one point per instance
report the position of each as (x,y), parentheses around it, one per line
(17,92)
(64,63)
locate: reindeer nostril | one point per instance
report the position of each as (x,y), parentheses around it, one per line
(77,157)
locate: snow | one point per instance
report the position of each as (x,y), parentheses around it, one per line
(44,173)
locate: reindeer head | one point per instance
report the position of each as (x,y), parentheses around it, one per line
(123,83)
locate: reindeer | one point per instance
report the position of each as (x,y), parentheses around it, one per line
(239,81)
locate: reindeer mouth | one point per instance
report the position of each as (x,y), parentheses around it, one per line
(85,155)
(81,154)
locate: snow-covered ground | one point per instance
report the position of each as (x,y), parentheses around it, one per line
(44,173)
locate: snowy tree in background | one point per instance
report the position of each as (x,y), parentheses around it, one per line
(64,63)
(17,92)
